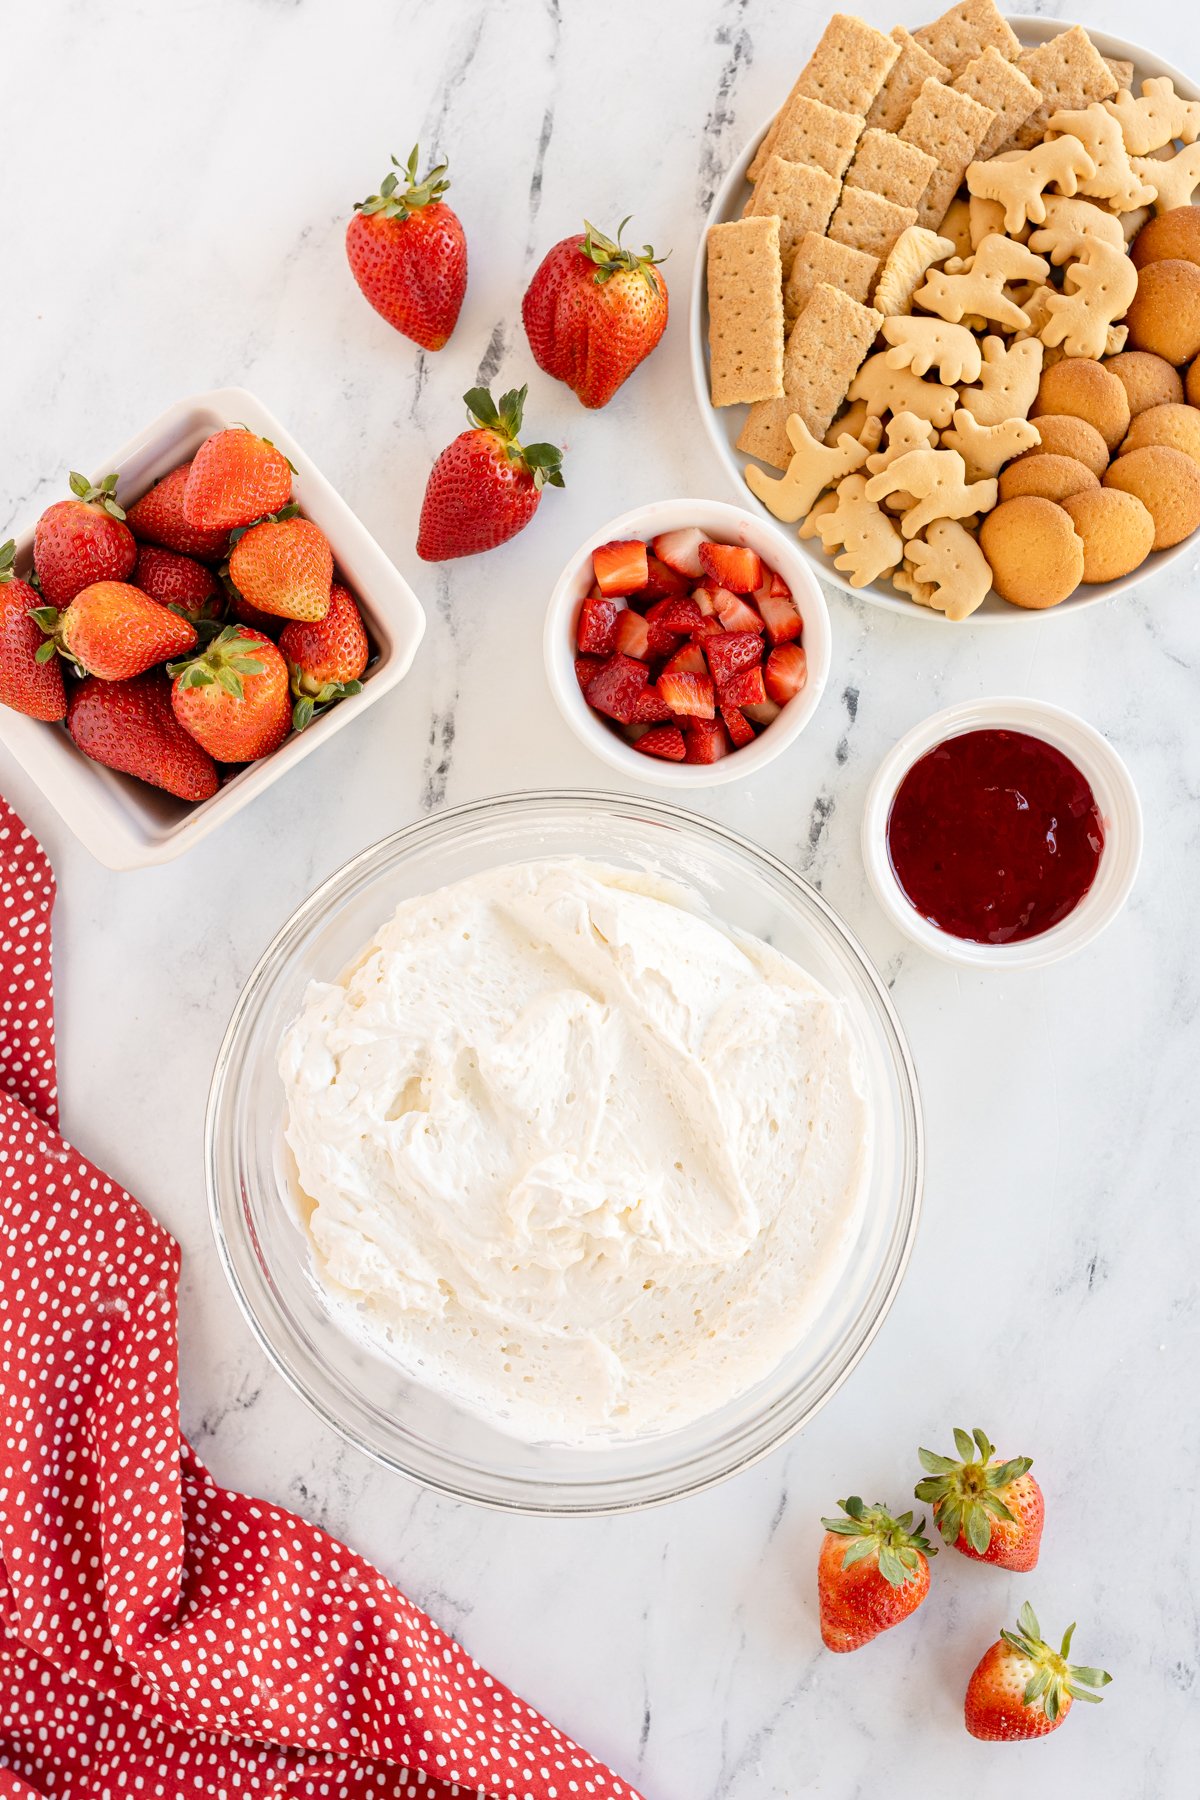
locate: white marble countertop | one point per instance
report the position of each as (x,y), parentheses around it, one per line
(174,191)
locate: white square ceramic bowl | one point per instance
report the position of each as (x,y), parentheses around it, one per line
(127,824)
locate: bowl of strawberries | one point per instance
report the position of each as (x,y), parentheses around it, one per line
(687,643)
(178,633)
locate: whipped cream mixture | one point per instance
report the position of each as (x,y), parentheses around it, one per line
(573,1153)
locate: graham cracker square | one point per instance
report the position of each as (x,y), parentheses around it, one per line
(885,164)
(825,348)
(993,81)
(913,66)
(961,33)
(949,126)
(800,196)
(848,66)
(1071,74)
(821,259)
(869,222)
(745,311)
(811,132)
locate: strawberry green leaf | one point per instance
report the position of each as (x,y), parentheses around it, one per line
(8,551)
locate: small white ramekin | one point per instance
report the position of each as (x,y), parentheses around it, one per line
(1116,798)
(730,525)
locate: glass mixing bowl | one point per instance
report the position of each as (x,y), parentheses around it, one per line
(358,1390)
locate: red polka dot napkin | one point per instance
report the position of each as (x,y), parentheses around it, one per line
(158,1634)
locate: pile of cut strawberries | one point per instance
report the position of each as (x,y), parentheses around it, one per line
(197,629)
(689,647)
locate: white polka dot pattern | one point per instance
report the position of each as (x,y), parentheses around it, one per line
(160,1636)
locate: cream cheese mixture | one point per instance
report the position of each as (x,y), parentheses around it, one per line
(574,1154)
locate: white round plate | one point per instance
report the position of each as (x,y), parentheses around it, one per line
(724,424)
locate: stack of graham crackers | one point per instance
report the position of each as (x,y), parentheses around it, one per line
(858,170)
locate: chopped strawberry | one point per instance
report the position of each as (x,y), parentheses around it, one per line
(708,628)
(690,694)
(729,651)
(732,566)
(764,713)
(780,617)
(785,672)
(680,615)
(688,661)
(779,587)
(680,550)
(617,687)
(651,708)
(663,643)
(632,636)
(662,581)
(738,726)
(585,668)
(703,596)
(665,741)
(597,631)
(706,741)
(735,613)
(620,567)
(746,688)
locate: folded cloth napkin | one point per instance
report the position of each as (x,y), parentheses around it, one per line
(159,1635)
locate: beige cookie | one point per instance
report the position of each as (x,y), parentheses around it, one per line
(924,344)
(1167,483)
(1192,384)
(886,389)
(1097,290)
(1148,380)
(1132,223)
(937,480)
(957,226)
(813,468)
(914,253)
(1035,553)
(851,422)
(1069,223)
(1170,235)
(1052,477)
(950,572)
(870,543)
(906,581)
(985,219)
(1086,391)
(986,448)
(822,508)
(978,289)
(1008,381)
(1159,115)
(1019,182)
(1175,180)
(1062,435)
(1116,529)
(1173,423)
(1115,179)
(905,432)
(1164,316)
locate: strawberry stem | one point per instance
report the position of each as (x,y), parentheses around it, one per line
(391,204)
(224,661)
(1052,1677)
(542,461)
(896,1543)
(613,258)
(103,495)
(965,1495)
(8,552)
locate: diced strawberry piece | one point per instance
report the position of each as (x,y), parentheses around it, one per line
(662,581)
(779,587)
(651,708)
(785,672)
(708,628)
(675,614)
(585,668)
(680,550)
(690,694)
(765,713)
(662,642)
(729,651)
(780,617)
(706,741)
(597,631)
(732,565)
(620,567)
(746,688)
(738,726)
(735,613)
(632,636)
(617,687)
(703,596)
(688,661)
(663,740)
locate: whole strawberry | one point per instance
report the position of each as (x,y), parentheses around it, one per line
(178,581)
(157,518)
(29,682)
(233,696)
(486,485)
(80,541)
(875,1580)
(594,311)
(129,725)
(408,254)
(284,566)
(235,478)
(325,659)
(1021,1688)
(114,631)
(992,1511)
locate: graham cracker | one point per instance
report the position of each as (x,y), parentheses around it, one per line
(825,349)
(885,164)
(997,83)
(1071,74)
(800,196)
(1122,71)
(848,66)
(962,33)
(949,126)
(745,311)
(869,222)
(811,132)
(913,66)
(820,259)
